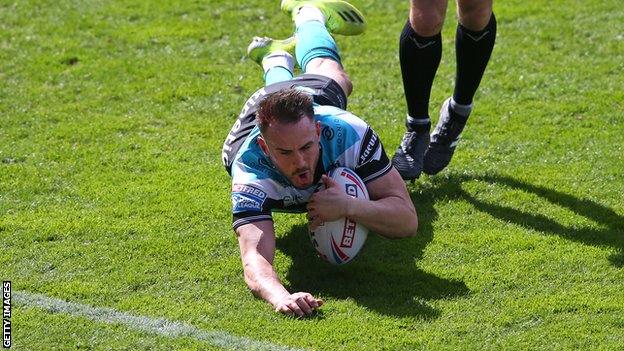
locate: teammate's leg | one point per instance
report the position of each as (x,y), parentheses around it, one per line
(475,37)
(420,51)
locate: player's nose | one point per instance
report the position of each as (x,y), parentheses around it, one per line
(299,159)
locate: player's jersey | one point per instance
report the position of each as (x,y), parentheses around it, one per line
(258,188)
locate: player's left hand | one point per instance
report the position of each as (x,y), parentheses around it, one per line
(328,204)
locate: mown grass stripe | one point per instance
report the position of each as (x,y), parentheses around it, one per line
(158,326)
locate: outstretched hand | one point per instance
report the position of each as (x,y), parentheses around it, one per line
(328,204)
(299,304)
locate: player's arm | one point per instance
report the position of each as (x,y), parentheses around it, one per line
(257,246)
(389,212)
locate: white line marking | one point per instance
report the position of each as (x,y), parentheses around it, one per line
(159,326)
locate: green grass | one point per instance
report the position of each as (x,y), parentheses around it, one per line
(112,193)
(59,331)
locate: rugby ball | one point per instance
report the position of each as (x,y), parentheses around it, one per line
(339,241)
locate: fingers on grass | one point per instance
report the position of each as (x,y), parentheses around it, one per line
(296,309)
(285,310)
(312,302)
(302,303)
(299,305)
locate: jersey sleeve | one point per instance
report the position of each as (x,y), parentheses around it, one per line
(372,160)
(249,204)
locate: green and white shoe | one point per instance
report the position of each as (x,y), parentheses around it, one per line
(341,17)
(260,47)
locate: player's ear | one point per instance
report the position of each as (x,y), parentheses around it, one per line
(263,145)
(318,128)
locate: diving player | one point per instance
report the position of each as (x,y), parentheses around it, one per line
(293,131)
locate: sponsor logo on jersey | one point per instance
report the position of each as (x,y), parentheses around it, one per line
(369,146)
(339,132)
(328,133)
(252,102)
(247,198)
(241,128)
(294,199)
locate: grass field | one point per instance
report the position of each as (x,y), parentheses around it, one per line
(112,193)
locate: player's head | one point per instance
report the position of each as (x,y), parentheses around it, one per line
(290,135)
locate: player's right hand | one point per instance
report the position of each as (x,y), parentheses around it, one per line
(299,304)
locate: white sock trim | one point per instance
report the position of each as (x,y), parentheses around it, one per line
(278,58)
(463,110)
(412,120)
(308,13)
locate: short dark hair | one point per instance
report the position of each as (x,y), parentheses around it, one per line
(284,106)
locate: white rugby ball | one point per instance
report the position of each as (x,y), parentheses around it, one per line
(339,241)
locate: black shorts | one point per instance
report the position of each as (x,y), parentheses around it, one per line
(324,91)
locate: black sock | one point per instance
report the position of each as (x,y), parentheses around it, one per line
(420,58)
(473,50)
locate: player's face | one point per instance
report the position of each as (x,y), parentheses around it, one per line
(293,149)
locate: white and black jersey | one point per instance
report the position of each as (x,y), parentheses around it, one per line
(258,188)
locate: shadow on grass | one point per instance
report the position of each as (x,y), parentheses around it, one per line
(385,277)
(610,235)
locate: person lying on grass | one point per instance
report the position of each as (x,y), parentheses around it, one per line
(293,131)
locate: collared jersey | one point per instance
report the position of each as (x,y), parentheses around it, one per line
(258,187)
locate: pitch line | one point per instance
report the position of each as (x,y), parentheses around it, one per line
(158,326)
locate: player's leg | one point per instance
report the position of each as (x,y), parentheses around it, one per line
(275,57)
(475,37)
(420,51)
(476,34)
(316,50)
(341,17)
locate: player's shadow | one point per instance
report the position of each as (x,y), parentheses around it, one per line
(610,231)
(385,277)
(611,225)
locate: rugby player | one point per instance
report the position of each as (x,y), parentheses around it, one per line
(293,131)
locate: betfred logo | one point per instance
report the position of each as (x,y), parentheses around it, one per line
(348,233)
(251,190)
(247,198)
